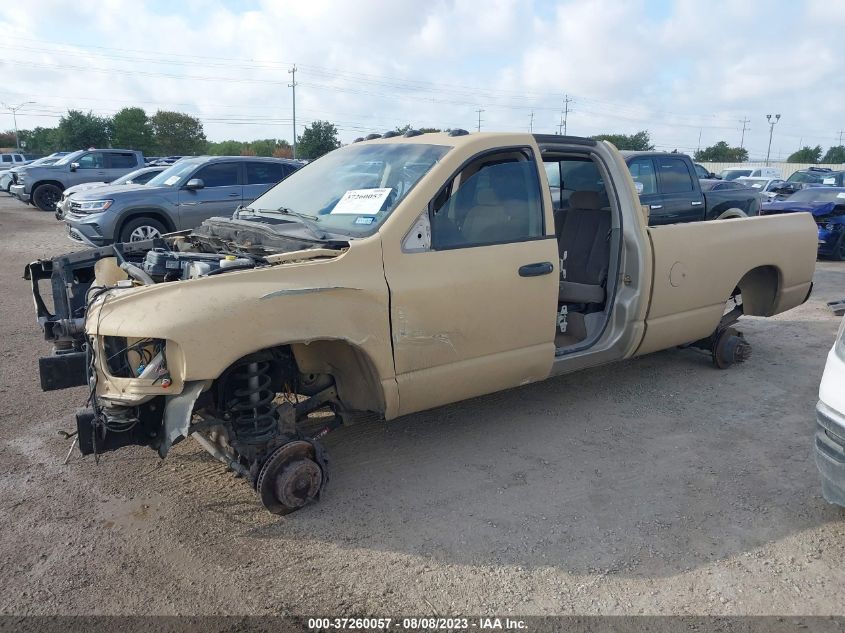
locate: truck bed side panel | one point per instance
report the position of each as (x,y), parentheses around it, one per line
(698,265)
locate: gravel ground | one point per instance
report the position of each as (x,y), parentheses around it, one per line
(657,486)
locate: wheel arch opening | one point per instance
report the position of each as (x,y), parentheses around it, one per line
(759,289)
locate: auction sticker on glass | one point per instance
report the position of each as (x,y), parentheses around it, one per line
(362,201)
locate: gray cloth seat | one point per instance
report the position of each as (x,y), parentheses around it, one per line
(583,238)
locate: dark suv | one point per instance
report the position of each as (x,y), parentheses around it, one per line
(181,197)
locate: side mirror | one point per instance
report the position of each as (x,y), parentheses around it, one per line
(711,175)
(194,183)
(640,187)
(74,166)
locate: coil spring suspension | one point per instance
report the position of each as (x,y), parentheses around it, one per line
(253,415)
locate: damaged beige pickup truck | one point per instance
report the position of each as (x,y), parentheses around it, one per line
(393,275)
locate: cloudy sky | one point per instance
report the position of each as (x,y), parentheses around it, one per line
(679,69)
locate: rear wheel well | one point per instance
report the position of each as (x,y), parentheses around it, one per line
(759,289)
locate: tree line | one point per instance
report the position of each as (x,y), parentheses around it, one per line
(721,152)
(165,133)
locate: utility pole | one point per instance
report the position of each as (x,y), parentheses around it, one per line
(841,132)
(531,124)
(14,111)
(479,118)
(742,140)
(699,141)
(564,115)
(292,85)
(771,131)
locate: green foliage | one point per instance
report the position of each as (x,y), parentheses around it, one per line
(404,128)
(7,138)
(41,140)
(258,147)
(177,133)
(721,152)
(317,139)
(806,155)
(639,142)
(131,129)
(78,130)
(835,154)
(226,148)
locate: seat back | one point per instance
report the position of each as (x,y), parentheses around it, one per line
(583,238)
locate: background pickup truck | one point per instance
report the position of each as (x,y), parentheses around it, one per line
(43,184)
(671,189)
(391,276)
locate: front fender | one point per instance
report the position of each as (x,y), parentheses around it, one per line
(216,320)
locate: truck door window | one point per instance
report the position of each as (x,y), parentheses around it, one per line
(92,160)
(6,158)
(674,175)
(642,170)
(124,160)
(495,199)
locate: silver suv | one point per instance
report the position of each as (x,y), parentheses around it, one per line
(43,184)
(181,197)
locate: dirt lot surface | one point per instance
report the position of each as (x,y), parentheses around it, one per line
(660,485)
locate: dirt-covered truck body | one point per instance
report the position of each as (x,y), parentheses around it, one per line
(391,276)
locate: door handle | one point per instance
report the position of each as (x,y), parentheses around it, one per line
(696,203)
(234,195)
(654,207)
(535,270)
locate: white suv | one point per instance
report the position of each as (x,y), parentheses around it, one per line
(830,423)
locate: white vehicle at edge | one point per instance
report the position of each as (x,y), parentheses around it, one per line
(762,184)
(732,173)
(830,423)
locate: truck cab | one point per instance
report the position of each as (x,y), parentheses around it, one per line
(670,187)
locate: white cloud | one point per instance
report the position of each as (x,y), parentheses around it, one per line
(369,66)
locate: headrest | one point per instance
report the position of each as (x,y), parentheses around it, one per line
(588,200)
(487,197)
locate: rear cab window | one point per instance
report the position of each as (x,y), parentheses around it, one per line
(122,160)
(674,175)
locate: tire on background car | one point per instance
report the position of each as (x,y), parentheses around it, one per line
(141,228)
(46,196)
(732,214)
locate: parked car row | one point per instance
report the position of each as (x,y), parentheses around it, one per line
(112,195)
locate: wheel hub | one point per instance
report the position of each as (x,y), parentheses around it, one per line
(298,482)
(290,478)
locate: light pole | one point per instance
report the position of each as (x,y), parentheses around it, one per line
(771,131)
(292,85)
(14,111)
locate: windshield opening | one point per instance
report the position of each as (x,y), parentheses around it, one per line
(818,194)
(355,188)
(755,183)
(66,160)
(733,174)
(171,176)
(807,177)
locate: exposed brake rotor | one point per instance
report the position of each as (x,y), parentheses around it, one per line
(730,347)
(293,475)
